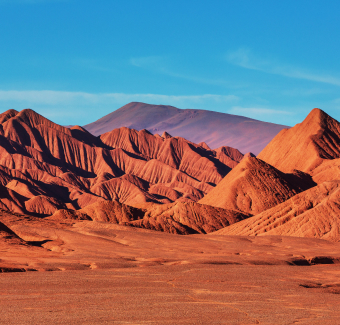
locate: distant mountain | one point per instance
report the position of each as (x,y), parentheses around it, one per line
(213,128)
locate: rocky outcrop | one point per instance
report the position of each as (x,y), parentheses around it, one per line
(305,146)
(254,186)
(313,213)
(45,167)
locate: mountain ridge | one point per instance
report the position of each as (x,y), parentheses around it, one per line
(214,128)
(47,169)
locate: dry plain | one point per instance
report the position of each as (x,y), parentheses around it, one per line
(99,273)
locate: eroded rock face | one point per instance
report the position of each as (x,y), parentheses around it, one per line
(254,186)
(45,167)
(169,184)
(178,218)
(313,213)
(310,152)
(186,218)
(305,146)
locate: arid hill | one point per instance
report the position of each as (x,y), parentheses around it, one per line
(254,186)
(177,218)
(310,152)
(213,128)
(305,146)
(313,213)
(47,169)
(164,183)
(107,213)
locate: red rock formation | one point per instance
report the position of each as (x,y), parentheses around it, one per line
(177,218)
(103,211)
(7,236)
(188,218)
(254,186)
(45,167)
(313,213)
(135,178)
(7,115)
(305,146)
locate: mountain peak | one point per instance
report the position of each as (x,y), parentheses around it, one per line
(306,145)
(31,117)
(214,128)
(7,115)
(317,115)
(166,135)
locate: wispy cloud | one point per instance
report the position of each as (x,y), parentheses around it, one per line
(57,97)
(148,62)
(245,59)
(160,64)
(82,107)
(257,112)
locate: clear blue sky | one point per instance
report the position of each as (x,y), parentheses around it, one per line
(77,60)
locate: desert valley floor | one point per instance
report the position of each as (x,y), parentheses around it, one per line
(131,227)
(124,276)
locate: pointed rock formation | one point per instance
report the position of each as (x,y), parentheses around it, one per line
(7,115)
(248,154)
(305,146)
(45,167)
(166,135)
(254,186)
(204,145)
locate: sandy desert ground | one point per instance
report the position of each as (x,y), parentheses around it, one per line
(135,276)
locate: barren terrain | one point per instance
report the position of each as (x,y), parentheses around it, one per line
(136,228)
(110,274)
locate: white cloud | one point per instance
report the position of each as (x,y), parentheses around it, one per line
(245,59)
(82,108)
(160,64)
(51,97)
(257,112)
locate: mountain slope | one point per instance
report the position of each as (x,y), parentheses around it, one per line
(47,169)
(254,186)
(305,146)
(213,128)
(177,218)
(313,213)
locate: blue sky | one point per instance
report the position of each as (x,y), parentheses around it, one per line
(75,61)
